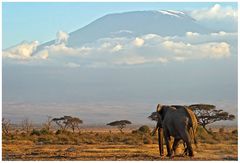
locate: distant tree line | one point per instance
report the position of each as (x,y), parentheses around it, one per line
(205,113)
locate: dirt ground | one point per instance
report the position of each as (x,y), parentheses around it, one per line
(27,150)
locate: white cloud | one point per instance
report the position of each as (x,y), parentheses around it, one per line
(217,50)
(138,42)
(185,51)
(43,54)
(63,49)
(24,50)
(62,37)
(117,48)
(192,34)
(221,33)
(150,36)
(215,12)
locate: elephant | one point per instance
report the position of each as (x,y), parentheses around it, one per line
(179,122)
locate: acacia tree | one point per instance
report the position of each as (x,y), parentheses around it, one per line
(60,122)
(6,124)
(74,122)
(207,114)
(68,121)
(120,124)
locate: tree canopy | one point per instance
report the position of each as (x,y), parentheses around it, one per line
(120,124)
(207,114)
(68,121)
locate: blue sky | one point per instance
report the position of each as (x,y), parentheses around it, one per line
(41,21)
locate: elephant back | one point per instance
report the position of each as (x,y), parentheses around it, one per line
(189,113)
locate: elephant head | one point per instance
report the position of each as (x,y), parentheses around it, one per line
(160,109)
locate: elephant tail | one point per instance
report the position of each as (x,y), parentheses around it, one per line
(194,137)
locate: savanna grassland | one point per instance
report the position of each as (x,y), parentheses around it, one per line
(138,144)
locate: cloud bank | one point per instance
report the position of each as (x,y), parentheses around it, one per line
(215,12)
(24,50)
(217,17)
(145,49)
(122,50)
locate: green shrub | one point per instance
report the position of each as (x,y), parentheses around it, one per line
(35,132)
(44,131)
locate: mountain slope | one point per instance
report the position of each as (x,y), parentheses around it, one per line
(164,23)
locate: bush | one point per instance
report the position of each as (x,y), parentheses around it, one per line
(235,132)
(58,132)
(35,132)
(144,129)
(44,131)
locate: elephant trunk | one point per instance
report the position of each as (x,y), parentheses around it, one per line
(160,140)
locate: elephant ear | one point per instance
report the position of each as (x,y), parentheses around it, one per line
(159,107)
(161,110)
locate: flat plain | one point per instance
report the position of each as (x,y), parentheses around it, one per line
(129,145)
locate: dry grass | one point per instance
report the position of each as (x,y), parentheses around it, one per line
(111,152)
(112,146)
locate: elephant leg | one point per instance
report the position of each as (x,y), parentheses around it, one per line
(175,145)
(166,137)
(186,138)
(185,149)
(160,141)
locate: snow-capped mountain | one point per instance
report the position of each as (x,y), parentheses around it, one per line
(135,23)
